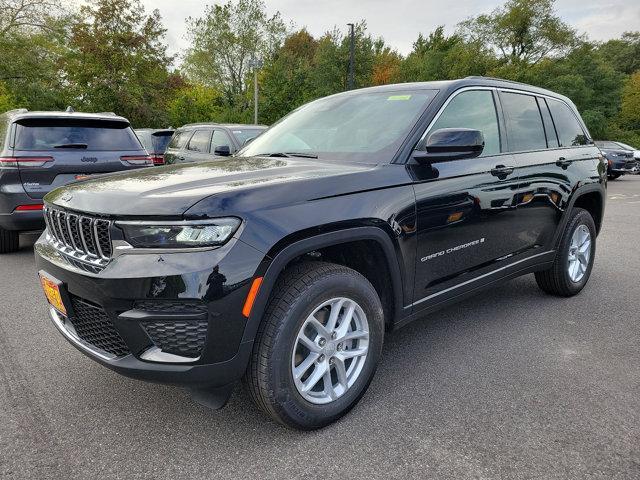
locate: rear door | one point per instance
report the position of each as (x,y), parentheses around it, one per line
(57,151)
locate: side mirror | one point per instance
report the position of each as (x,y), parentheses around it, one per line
(223,151)
(447,144)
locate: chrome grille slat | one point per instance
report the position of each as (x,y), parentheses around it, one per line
(82,239)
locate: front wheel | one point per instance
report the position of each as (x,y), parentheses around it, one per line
(574,259)
(318,346)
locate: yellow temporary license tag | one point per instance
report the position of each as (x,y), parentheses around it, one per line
(52,292)
(399,97)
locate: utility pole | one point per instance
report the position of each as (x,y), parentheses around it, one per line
(352,54)
(255,64)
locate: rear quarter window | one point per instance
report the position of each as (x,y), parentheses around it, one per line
(91,135)
(570,132)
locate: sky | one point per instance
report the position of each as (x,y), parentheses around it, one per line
(400,21)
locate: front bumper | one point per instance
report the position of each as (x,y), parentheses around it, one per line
(134,308)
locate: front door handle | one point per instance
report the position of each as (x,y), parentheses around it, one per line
(563,162)
(502,171)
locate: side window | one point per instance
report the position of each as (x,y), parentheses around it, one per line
(220,138)
(570,133)
(179,140)
(549,128)
(200,141)
(524,122)
(473,109)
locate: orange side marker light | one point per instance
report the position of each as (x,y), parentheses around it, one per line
(251,297)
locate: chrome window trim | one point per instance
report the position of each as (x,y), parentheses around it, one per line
(508,90)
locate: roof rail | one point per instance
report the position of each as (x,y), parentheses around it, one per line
(480,77)
(108,113)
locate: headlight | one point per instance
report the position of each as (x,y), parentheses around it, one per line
(180,234)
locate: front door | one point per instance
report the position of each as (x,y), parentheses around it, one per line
(466,209)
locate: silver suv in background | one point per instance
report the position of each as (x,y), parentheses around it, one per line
(209,141)
(40,151)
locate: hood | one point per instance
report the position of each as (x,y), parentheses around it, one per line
(171,190)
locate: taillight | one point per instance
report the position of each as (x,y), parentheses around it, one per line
(29,208)
(158,160)
(137,160)
(27,162)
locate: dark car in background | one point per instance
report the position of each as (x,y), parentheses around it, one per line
(40,151)
(155,141)
(620,159)
(209,141)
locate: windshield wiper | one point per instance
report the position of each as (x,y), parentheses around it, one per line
(289,154)
(79,146)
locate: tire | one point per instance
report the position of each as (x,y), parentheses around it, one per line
(9,241)
(269,379)
(558,280)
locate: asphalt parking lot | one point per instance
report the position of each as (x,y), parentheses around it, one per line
(511,384)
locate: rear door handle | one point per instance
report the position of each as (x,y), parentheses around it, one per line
(502,170)
(563,162)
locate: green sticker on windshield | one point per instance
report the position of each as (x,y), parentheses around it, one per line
(399,97)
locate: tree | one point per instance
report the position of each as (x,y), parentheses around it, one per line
(623,53)
(442,57)
(285,82)
(522,31)
(630,110)
(225,39)
(118,61)
(195,103)
(32,42)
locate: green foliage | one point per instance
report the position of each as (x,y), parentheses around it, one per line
(522,31)
(195,103)
(7,102)
(117,61)
(32,42)
(225,39)
(629,117)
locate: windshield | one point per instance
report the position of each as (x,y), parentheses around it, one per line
(245,134)
(367,126)
(92,135)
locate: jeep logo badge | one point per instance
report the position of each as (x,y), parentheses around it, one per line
(89,159)
(66,197)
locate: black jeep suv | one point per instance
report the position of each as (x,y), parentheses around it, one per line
(352,216)
(40,151)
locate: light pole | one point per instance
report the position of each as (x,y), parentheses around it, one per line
(255,63)
(352,51)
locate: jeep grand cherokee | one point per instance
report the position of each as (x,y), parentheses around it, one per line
(40,151)
(352,216)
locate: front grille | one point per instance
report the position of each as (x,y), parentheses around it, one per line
(183,338)
(85,238)
(94,327)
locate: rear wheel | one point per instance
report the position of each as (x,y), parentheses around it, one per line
(318,346)
(9,241)
(574,260)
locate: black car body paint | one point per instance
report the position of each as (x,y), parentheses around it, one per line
(495,217)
